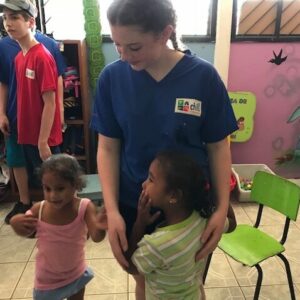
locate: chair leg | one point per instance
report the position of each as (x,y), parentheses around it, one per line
(289,275)
(258,282)
(206,267)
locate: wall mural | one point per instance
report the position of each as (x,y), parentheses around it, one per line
(294,154)
(277,60)
(271,72)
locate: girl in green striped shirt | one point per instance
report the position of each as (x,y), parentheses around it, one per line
(177,186)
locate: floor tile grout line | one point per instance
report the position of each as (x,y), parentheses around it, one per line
(235,276)
(18,281)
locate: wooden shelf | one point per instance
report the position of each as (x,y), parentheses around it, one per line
(81,157)
(75,55)
(74,122)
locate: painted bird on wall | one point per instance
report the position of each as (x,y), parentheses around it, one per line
(277,60)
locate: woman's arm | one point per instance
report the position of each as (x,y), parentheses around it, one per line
(220,169)
(108,161)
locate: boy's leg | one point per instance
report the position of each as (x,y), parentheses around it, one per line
(16,161)
(34,162)
(21,178)
(78,296)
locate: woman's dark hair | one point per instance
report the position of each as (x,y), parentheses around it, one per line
(66,167)
(182,173)
(149,15)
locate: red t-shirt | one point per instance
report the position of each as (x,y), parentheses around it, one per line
(36,73)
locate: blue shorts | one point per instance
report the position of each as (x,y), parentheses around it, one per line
(14,152)
(65,291)
(34,162)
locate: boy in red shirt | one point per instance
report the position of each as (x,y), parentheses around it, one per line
(38,115)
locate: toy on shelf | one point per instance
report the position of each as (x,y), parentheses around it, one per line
(246,184)
(244,174)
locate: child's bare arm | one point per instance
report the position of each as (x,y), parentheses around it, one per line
(144,218)
(96,222)
(25,224)
(231,219)
(46,124)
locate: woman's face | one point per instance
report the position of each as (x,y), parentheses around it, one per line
(141,50)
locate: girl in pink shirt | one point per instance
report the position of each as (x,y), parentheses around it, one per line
(61,223)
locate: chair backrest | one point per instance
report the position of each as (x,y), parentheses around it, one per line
(276,192)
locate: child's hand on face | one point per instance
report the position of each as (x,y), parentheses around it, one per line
(24,225)
(143,213)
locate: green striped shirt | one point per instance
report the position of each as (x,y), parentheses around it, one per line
(167,260)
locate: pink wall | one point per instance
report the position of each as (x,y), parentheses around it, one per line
(277,90)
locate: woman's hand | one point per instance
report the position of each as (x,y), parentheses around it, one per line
(212,234)
(117,237)
(24,225)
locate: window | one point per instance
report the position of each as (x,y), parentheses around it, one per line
(194,17)
(275,20)
(64,18)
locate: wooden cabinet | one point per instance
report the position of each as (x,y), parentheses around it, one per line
(76,139)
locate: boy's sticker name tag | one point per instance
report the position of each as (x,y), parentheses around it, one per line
(30,74)
(188,106)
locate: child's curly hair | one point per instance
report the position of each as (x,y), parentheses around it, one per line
(66,167)
(183,173)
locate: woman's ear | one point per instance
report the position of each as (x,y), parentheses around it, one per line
(166,33)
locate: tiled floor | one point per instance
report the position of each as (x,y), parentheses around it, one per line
(226,279)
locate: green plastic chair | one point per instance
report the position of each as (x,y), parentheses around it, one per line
(249,245)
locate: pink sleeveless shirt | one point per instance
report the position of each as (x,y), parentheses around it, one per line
(60,258)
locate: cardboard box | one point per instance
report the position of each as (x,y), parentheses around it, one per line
(247,172)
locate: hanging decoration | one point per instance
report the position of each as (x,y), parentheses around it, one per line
(92,27)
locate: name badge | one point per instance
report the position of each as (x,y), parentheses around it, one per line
(30,74)
(188,106)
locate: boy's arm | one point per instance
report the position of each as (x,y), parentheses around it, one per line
(4,123)
(60,93)
(96,222)
(46,124)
